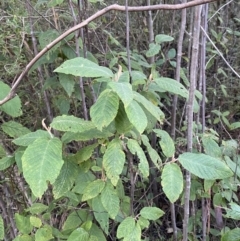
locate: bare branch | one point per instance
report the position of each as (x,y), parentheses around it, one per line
(115,7)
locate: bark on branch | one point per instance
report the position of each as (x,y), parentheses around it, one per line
(115,7)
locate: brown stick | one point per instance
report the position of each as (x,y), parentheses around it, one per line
(90,19)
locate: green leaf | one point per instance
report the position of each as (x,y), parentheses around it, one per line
(232,235)
(6,162)
(29,138)
(150,107)
(44,234)
(65,180)
(13,106)
(100,214)
(172,181)
(124,91)
(166,142)
(153,50)
(67,82)
(126,227)
(110,200)
(37,208)
(113,160)
(211,148)
(85,153)
(161,38)
(97,232)
(122,122)
(36,222)
(47,37)
(53,3)
(83,67)
(78,235)
(105,109)
(151,213)
(235,125)
(136,116)
(234,212)
(93,189)
(1,228)
(144,223)
(71,123)
(172,86)
(151,152)
(42,162)
(204,166)
(14,129)
(134,148)
(23,224)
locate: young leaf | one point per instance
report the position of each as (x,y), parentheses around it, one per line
(23,223)
(172,181)
(136,116)
(71,123)
(166,142)
(85,153)
(65,180)
(110,200)
(123,90)
(204,166)
(83,67)
(42,162)
(113,160)
(101,214)
(31,137)
(13,106)
(93,189)
(126,227)
(172,86)
(105,109)
(151,213)
(134,148)
(36,222)
(150,107)
(14,129)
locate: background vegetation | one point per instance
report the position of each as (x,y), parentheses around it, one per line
(126,129)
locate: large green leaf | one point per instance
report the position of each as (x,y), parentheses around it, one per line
(123,90)
(151,213)
(126,227)
(1,228)
(65,180)
(71,123)
(113,160)
(31,137)
(93,189)
(83,67)
(149,106)
(136,116)
(232,235)
(23,223)
(172,86)
(14,129)
(134,148)
(42,162)
(44,234)
(100,214)
(172,181)
(105,109)
(110,200)
(13,106)
(205,166)
(166,142)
